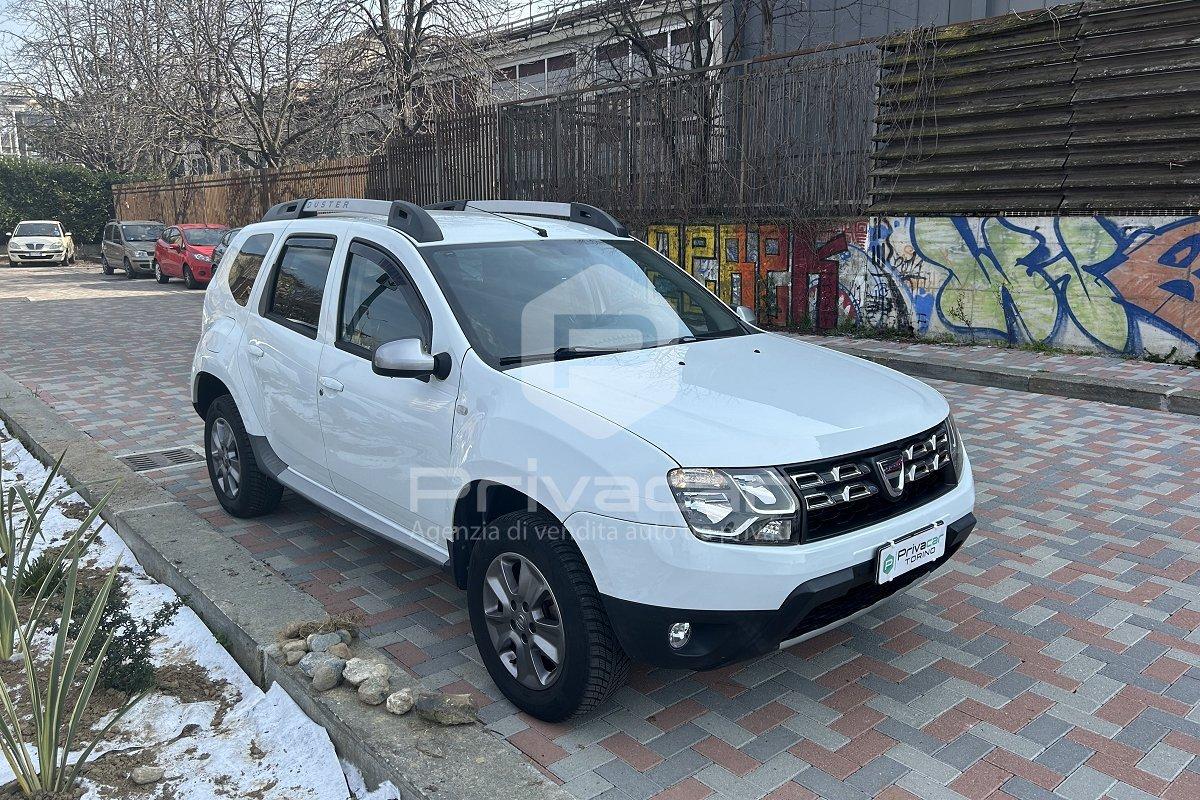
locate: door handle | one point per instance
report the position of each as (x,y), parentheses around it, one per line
(330,384)
(254,351)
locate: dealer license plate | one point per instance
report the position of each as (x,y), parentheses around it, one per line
(896,558)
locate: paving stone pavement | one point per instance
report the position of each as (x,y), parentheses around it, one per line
(1057,656)
(983,355)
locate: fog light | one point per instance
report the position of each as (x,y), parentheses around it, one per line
(679,634)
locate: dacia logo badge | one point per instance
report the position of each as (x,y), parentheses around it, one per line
(892,473)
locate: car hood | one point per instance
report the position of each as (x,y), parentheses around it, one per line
(757,400)
(45,241)
(205,249)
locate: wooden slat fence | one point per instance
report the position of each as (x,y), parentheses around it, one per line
(237,198)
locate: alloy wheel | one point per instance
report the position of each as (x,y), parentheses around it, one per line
(523,620)
(227,465)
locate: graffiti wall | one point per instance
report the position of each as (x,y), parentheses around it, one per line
(1112,284)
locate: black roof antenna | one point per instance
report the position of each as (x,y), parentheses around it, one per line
(463,205)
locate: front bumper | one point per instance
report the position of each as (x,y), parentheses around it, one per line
(723,637)
(34,256)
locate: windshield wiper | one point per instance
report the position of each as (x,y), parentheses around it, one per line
(563,354)
(698,337)
(567,353)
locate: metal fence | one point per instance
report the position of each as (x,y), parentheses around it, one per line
(1086,108)
(787,138)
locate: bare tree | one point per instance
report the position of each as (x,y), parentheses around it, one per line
(425,56)
(70,56)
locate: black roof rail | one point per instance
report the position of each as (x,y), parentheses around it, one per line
(414,220)
(582,213)
(402,215)
(289,210)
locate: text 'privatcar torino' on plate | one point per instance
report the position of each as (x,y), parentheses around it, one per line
(613,463)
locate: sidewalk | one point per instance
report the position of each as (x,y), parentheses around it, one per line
(1126,382)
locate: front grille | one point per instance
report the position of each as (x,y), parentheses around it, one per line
(842,494)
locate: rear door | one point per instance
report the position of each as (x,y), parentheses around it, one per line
(387,439)
(282,352)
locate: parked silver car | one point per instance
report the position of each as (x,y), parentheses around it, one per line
(129,245)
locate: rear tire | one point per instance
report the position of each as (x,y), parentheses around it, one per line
(105,267)
(189,280)
(243,488)
(591,663)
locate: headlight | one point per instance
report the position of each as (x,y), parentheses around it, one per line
(957,451)
(15,246)
(202,257)
(140,254)
(744,506)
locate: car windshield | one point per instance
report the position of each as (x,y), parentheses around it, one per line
(38,229)
(141,233)
(522,302)
(203,237)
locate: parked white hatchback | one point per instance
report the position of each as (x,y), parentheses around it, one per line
(43,241)
(611,462)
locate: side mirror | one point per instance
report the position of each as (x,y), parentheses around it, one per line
(746,314)
(408,358)
(68,233)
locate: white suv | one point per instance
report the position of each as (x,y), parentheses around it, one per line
(611,462)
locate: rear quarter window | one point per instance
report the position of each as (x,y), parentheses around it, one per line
(244,268)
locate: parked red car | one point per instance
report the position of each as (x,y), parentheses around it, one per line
(185,251)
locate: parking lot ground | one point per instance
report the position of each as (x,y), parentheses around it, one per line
(1058,655)
(982,356)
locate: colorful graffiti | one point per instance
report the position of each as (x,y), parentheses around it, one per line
(1113,284)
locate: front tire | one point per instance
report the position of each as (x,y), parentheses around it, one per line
(241,485)
(158,273)
(129,272)
(538,619)
(189,280)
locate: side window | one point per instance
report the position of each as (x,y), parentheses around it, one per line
(294,295)
(379,303)
(246,264)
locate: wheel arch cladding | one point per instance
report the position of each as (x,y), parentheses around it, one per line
(208,388)
(480,502)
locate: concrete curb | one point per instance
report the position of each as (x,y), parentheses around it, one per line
(1136,394)
(245,604)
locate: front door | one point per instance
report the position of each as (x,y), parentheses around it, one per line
(168,258)
(281,354)
(387,440)
(109,248)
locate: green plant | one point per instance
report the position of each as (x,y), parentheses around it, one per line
(78,197)
(57,702)
(126,665)
(17,539)
(1155,358)
(47,566)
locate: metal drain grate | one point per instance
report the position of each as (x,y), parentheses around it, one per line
(158,459)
